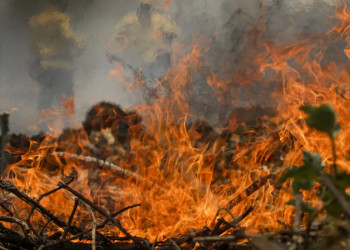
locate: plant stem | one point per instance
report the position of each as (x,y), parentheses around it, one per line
(298,199)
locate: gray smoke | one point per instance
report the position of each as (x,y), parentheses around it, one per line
(230,22)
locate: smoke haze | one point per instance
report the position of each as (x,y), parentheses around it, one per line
(94,21)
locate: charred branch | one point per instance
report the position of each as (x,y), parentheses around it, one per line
(119,171)
(4,125)
(137,240)
(249,191)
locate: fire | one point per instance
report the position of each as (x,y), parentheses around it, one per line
(177,169)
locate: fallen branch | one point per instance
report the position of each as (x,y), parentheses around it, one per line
(102,212)
(93,234)
(9,187)
(233,224)
(18,240)
(66,230)
(174,244)
(24,226)
(34,207)
(216,238)
(249,191)
(121,172)
(100,225)
(4,125)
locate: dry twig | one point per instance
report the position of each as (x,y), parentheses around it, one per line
(24,226)
(249,191)
(102,212)
(93,234)
(121,172)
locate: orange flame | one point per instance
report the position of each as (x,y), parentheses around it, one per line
(182,177)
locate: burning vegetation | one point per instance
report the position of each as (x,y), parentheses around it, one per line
(268,172)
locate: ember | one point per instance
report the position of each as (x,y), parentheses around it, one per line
(199,163)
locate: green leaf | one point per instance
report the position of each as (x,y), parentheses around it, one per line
(312,160)
(304,207)
(322,118)
(299,174)
(342,180)
(306,185)
(305,176)
(307,172)
(333,209)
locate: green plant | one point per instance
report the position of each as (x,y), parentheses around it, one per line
(332,185)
